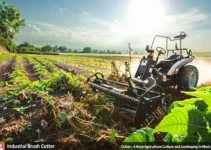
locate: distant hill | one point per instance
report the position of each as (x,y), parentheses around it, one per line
(3,50)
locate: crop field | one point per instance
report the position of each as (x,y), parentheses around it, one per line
(45,98)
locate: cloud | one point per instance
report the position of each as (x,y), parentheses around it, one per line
(101,33)
(61,10)
(42,31)
(84,13)
(116,21)
(34,27)
(185,21)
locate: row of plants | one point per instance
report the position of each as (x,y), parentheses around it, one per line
(5,57)
(88,64)
(187,121)
(39,69)
(46,62)
(18,76)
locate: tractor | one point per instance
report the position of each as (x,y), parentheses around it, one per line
(143,93)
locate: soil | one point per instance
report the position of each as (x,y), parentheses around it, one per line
(50,69)
(29,70)
(6,66)
(67,68)
(20,125)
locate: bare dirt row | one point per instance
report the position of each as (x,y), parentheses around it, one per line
(6,66)
(29,70)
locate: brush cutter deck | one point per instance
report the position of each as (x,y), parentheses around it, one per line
(139,102)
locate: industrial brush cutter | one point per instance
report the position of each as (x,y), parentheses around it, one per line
(137,102)
(143,93)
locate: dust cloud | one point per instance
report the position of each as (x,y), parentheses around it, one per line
(203,65)
(204,68)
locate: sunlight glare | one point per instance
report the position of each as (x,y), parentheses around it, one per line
(145,14)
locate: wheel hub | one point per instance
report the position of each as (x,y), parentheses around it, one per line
(192,80)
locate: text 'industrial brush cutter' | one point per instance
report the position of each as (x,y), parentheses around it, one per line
(143,93)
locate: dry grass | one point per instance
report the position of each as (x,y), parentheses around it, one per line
(3,50)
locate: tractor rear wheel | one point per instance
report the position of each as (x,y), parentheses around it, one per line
(188,78)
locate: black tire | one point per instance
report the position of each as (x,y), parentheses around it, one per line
(188,78)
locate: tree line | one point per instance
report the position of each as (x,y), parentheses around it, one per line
(28,47)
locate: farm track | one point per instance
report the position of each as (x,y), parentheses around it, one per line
(29,70)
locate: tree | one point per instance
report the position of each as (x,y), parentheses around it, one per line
(87,50)
(63,48)
(26,44)
(46,48)
(94,51)
(55,48)
(70,50)
(10,23)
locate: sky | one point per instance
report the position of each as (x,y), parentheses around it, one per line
(112,24)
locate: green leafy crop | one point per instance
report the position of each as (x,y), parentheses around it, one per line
(187,121)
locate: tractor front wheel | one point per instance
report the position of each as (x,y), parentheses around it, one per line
(188,78)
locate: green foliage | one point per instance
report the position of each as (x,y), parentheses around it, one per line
(64,82)
(63,116)
(75,51)
(27,47)
(144,135)
(9,139)
(199,103)
(168,138)
(48,63)
(204,93)
(47,48)
(63,48)
(25,44)
(187,121)
(109,52)
(19,74)
(37,67)
(20,109)
(97,112)
(112,135)
(182,120)
(5,57)
(133,129)
(87,50)
(10,23)
(70,50)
